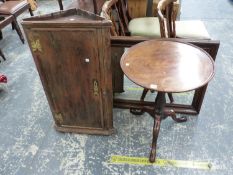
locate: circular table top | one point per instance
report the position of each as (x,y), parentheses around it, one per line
(167,66)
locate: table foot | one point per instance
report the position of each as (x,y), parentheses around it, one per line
(172,114)
(137,111)
(156,128)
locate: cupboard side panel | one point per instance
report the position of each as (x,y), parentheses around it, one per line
(106,76)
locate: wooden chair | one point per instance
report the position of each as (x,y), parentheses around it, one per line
(145,26)
(15,7)
(110,11)
(9,19)
(6,20)
(170,28)
(148,26)
(116,11)
(33,4)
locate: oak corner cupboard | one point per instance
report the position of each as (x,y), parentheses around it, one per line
(71,50)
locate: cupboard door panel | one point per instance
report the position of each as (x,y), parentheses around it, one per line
(72,55)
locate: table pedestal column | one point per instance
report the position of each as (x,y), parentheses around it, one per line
(160,102)
(137,111)
(159,114)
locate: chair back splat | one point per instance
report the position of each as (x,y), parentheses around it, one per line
(149,9)
(114,10)
(166,18)
(170,28)
(117,12)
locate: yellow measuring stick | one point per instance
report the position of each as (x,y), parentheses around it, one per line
(140,89)
(134,88)
(116,159)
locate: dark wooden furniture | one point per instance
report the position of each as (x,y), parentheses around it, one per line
(117,12)
(210,46)
(88,5)
(120,27)
(71,50)
(166,66)
(8,19)
(4,21)
(125,25)
(15,8)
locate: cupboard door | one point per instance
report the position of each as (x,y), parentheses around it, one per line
(69,64)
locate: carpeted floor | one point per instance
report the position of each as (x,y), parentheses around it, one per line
(29,143)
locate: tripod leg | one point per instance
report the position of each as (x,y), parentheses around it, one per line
(172,114)
(156,128)
(160,102)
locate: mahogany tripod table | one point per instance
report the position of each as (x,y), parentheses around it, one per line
(166,67)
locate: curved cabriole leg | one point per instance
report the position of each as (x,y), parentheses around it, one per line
(156,129)
(172,114)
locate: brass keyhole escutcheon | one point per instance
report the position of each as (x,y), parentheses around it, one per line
(96,88)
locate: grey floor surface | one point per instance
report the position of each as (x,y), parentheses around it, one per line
(29,143)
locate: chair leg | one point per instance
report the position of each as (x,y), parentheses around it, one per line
(1,35)
(30,11)
(60,4)
(13,26)
(95,7)
(2,55)
(17,28)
